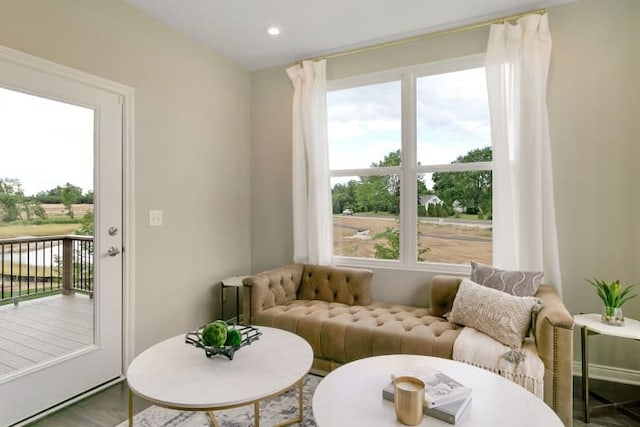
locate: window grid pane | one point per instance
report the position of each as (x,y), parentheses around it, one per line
(451,162)
(363,125)
(452,115)
(455,217)
(365,216)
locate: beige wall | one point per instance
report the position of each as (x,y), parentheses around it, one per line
(594,109)
(192,150)
(271,218)
(191,142)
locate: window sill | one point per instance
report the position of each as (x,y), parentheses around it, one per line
(434,268)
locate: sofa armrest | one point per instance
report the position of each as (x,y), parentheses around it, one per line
(443,291)
(270,288)
(553,336)
(554,342)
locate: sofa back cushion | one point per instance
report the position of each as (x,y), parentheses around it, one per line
(351,286)
(282,286)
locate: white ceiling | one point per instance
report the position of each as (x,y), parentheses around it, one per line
(237,28)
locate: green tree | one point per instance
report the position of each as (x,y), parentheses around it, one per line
(55,195)
(390,249)
(431,210)
(11,198)
(86,225)
(69,195)
(344,196)
(380,193)
(31,206)
(38,210)
(438,209)
(50,196)
(83,252)
(375,193)
(472,189)
(87,198)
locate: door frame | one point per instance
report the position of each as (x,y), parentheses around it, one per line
(127,97)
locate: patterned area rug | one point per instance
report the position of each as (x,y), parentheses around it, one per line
(272,411)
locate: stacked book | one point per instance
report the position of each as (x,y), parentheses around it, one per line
(444,398)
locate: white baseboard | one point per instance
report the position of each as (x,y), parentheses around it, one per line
(609,373)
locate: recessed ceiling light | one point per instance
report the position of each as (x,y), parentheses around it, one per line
(273,31)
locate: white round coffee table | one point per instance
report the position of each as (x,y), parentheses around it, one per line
(176,375)
(352,395)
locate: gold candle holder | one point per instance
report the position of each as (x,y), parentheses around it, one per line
(409,400)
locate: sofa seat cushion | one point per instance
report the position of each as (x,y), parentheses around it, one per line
(343,333)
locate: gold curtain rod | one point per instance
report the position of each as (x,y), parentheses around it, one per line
(426,36)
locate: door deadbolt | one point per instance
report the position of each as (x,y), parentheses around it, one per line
(113,231)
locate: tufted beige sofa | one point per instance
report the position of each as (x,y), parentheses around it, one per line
(331,308)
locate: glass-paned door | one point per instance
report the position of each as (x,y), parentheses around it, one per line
(60,238)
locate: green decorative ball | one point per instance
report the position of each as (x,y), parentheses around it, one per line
(234,338)
(215,334)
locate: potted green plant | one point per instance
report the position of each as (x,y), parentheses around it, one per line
(613,296)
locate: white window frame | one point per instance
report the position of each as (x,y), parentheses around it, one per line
(409,165)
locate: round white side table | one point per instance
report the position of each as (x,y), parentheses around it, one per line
(590,324)
(177,375)
(231,282)
(351,396)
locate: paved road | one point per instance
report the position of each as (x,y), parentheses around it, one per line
(456,221)
(459,221)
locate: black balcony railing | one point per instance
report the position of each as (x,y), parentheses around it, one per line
(33,266)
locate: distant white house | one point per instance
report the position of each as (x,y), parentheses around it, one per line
(430,199)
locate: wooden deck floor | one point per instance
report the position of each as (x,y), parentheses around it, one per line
(42,329)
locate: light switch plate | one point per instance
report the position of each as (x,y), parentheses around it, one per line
(155,218)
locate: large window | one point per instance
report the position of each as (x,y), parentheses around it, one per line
(410,158)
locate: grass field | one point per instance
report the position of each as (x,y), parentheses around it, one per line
(354,236)
(9,231)
(53,211)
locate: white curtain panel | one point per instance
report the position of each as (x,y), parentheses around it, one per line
(312,207)
(517,65)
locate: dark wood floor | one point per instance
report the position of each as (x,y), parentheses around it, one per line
(109,408)
(609,416)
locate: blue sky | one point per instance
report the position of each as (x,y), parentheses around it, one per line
(45,143)
(452,119)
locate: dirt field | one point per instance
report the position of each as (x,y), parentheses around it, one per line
(353,236)
(58,210)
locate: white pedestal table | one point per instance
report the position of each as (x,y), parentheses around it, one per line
(351,396)
(177,375)
(590,324)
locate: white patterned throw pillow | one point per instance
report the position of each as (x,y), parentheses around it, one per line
(504,317)
(519,283)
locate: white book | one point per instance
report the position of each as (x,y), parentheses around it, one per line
(439,388)
(450,412)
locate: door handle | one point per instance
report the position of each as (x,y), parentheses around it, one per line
(113,251)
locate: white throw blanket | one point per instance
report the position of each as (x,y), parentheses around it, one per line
(478,349)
